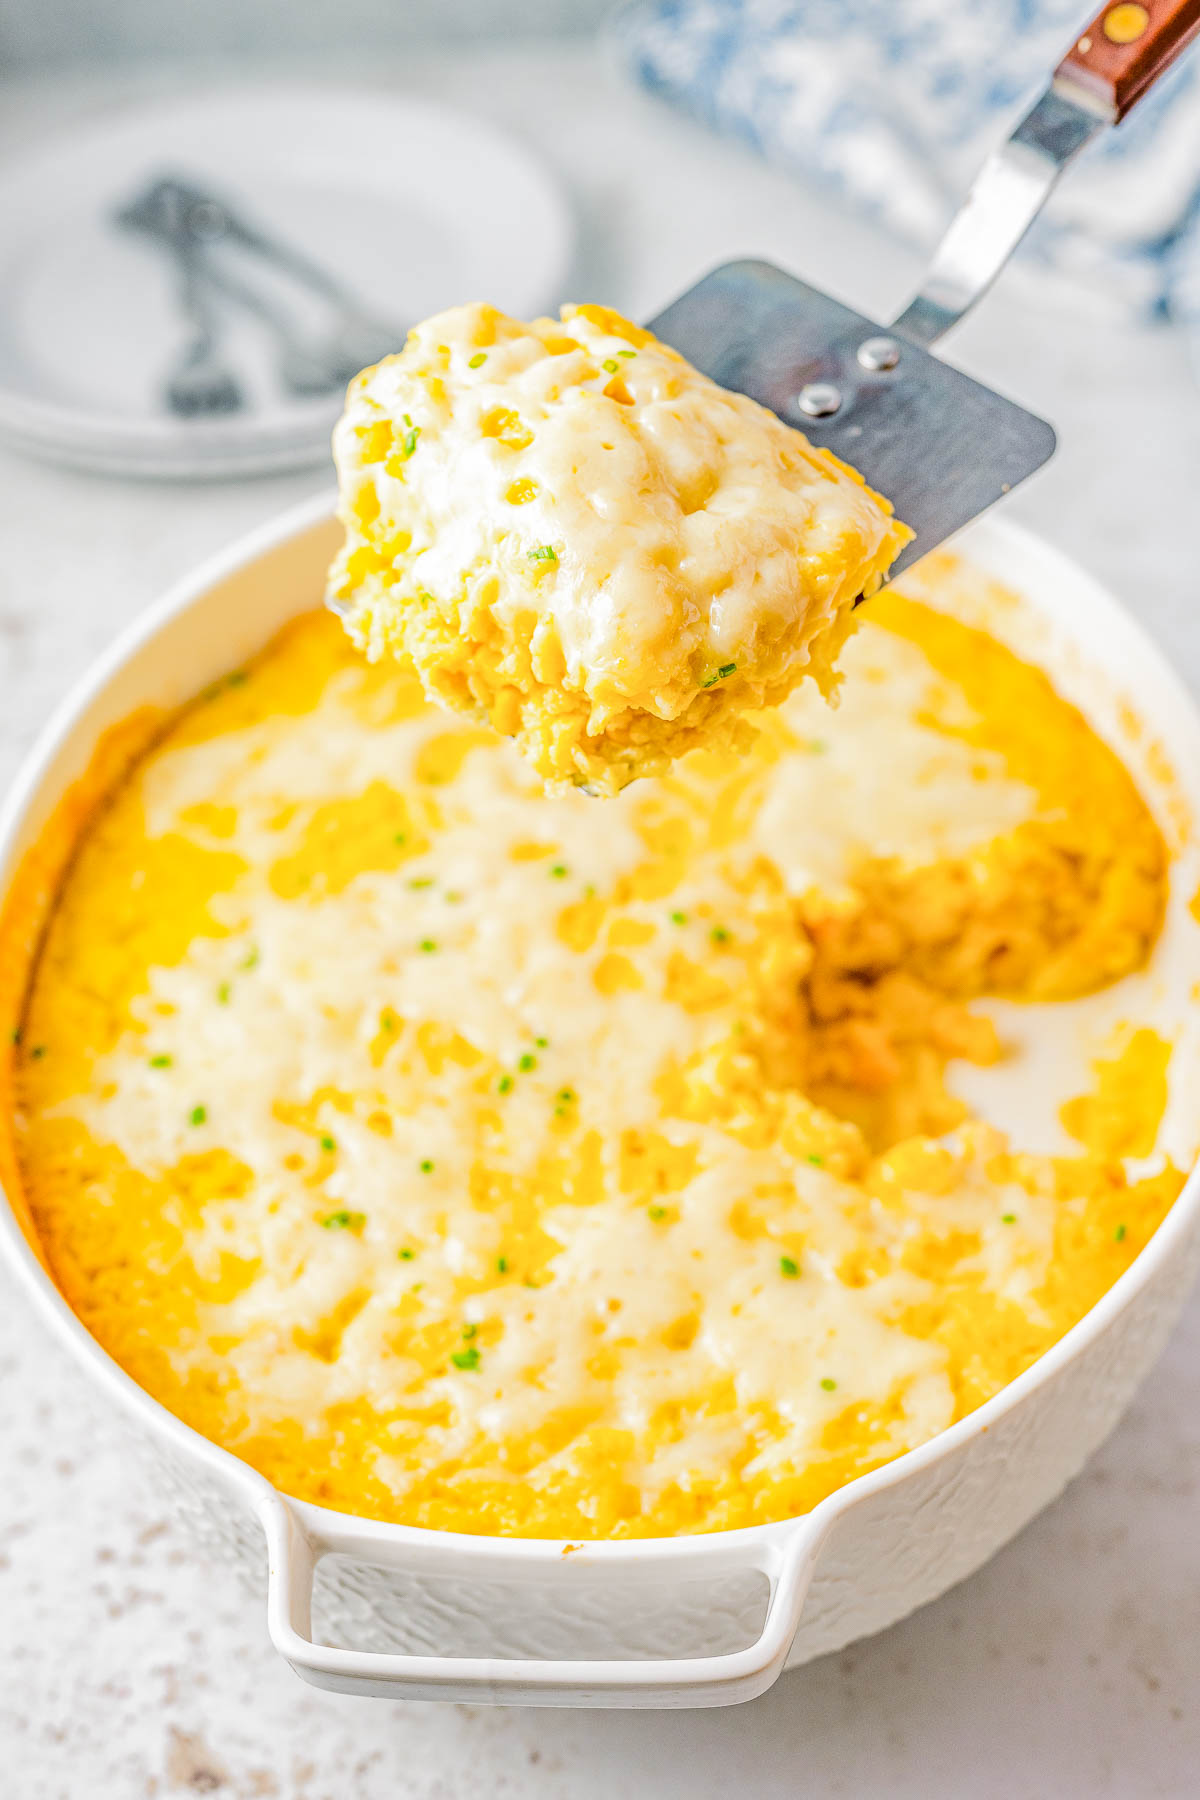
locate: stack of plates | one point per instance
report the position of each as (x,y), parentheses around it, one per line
(413,207)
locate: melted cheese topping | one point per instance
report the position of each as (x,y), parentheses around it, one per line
(460,1156)
(580,539)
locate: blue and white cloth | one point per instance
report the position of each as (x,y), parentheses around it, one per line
(894,104)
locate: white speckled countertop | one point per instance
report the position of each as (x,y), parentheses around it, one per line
(129,1666)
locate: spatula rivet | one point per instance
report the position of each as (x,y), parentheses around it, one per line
(878,354)
(818,399)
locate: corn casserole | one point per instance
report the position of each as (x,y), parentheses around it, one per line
(518,1163)
(577,538)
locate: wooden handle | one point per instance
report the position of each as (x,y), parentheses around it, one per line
(1127,47)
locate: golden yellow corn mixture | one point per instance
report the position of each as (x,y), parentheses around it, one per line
(578,538)
(489,1161)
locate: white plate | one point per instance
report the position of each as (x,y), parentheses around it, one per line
(415,207)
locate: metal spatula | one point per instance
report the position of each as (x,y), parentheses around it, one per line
(939,445)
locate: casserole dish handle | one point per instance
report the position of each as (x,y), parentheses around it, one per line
(786,1561)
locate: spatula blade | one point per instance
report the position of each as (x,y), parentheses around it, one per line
(941,447)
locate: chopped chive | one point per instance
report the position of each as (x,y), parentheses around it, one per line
(421,881)
(565,1095)
(679,918)
(544,553)
(543,1043)
(161,1061)
(657,1213)
(425,1165)
(453,898)
(344,1221)
(328,1143)
(409,441)
(526,1062)
(477,361)
(502,1265)
(470,1331)
(559,870)
(726,669)
(504,1084)
(828,1384)
(1008,1218)
(789,1266)
(38,1051)
(400,837)
(610,363)
(223,993)
(250,960)
(719,935)
(407,419)
(1119,1233)
(466,1359)
(817,746)
(626,352)
(819,1161)
(198,1115)
(406,1255)
(428,946)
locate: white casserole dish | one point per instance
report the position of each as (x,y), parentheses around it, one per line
(692,1621)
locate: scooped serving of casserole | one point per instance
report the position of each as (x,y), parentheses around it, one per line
(515,1163)
(577,538)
